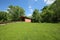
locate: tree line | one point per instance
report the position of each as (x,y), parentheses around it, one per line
(13,14)
(49,14)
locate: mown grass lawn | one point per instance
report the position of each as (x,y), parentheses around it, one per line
(30,31)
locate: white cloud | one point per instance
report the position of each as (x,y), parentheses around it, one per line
(30,8)
(49,1)
(29,14)
(45,0)
(36,0)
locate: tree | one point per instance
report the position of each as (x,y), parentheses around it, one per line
(36,16)
(56,8)
(51,13)
(47,14)
(16,12)
(57,12)
(3,16)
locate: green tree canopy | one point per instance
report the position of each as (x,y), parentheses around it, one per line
(16,12)
(36,16)
(3,16)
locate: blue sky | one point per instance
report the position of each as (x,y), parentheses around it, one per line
(28,5)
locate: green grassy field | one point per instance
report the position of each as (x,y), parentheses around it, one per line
(30,31)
